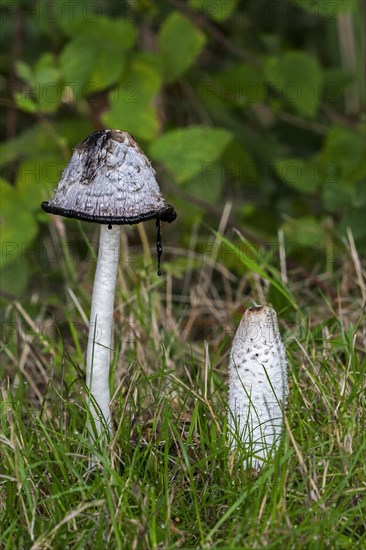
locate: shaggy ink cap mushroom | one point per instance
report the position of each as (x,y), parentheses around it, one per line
(257,384)
(109,180)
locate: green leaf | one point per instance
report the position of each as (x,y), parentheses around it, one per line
(36,178)
(74,14)
(18,224)
(45,90)
(207,187)
(187,152)
(240,85)
(119,32)
(219,10)
(77,60)
(88,68)
(37,141)
(298,174)
(180,44)
(343,157)
(24,71)
(46,83)
(45,70)
(342,163)
(131,105)
(25,103)
(336,196)
(354,220)
(297,78)
(107,68)
(95,58)
(239,165)
(143,123)
(33,140)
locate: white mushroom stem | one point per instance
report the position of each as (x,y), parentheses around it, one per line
(257,385)
(101,328)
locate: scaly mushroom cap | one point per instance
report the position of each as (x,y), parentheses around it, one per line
(257,381)
(109,180)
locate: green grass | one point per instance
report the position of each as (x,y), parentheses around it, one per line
(167,478)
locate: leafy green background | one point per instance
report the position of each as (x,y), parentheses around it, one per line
(252,113)
(261,106)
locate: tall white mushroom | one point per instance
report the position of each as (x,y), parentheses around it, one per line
(108,181)
(257,385)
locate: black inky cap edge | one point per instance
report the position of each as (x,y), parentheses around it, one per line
(166,214)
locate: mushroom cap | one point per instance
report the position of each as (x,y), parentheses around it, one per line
(109,180)
(258,328)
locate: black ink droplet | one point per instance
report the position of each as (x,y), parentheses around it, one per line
(159,245)
(109,226)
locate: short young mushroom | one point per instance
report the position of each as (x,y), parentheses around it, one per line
(111,182)
(257,385)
